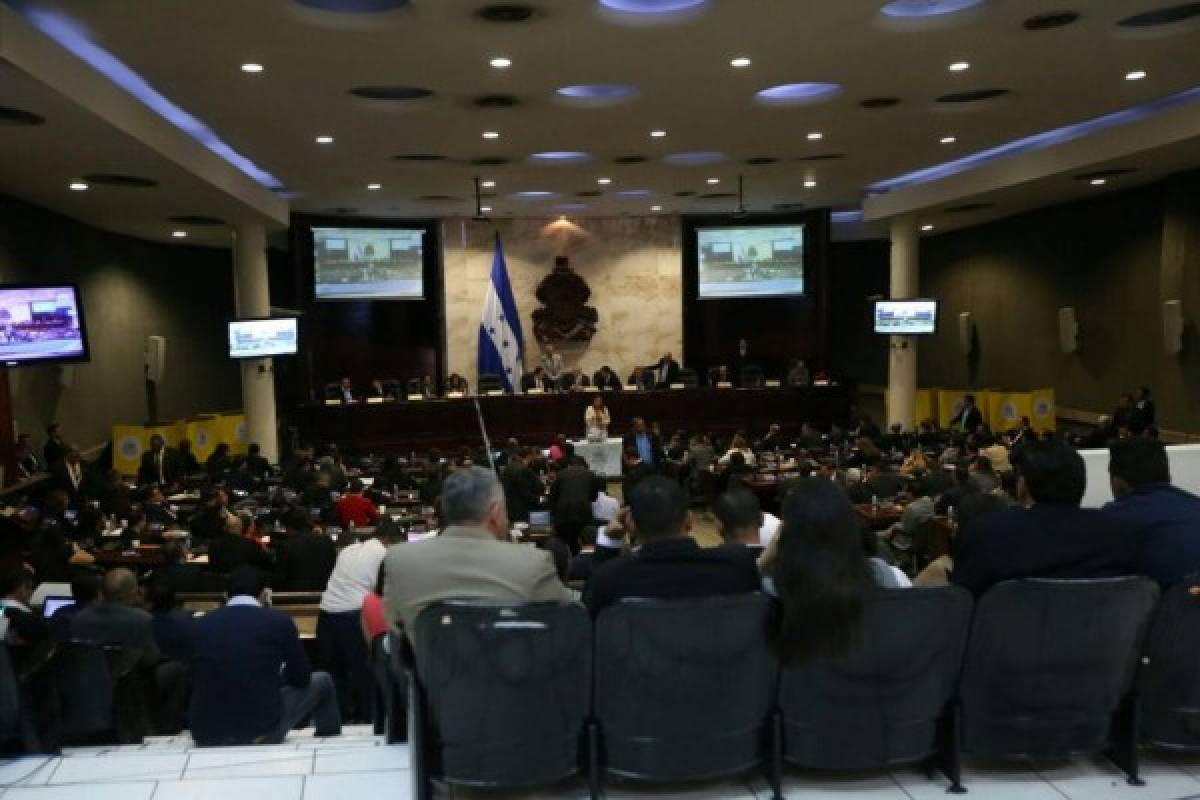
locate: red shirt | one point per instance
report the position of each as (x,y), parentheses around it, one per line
(357,509)
(373,616)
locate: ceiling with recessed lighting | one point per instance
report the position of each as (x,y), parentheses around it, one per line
(827,100)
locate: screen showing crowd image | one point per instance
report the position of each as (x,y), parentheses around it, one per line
(368,263)
(40,324)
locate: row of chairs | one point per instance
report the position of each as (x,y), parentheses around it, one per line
(514,696)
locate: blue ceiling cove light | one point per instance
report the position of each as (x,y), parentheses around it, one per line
(634,193)
(694,158)
(67,33)
(596,94)
(1040,141)
(560,157)
(909,9)
(846,217)
(651,6)
(539,195)
(796,94)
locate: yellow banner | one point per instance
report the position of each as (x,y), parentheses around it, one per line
(1044,411)
(949,405)
(130,441)
(1007,408)
(204,434)
(926,406)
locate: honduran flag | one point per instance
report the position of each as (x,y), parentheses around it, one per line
(501,344)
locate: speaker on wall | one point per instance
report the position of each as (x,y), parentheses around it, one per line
(156,357)
(1173,327)
(1068,330)
(965,339)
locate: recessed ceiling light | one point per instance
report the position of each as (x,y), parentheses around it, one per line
(926,227)
(741,62)
(656,208)
(657,134)
(815,136)
(1098,181)
(324,140)
(1136,75)
(252,67)
(179,234)
(713,181)
(491,134)
(78,186)
(604,181)
(501,62)
(485,209)
(959,66)
(488,184)
(374,187)
(948,139)
(810,184)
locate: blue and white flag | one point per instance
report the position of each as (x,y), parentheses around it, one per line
(501,344)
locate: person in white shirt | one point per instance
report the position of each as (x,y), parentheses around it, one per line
(552,363)
(356,573)
(605,507)
(738,445)
(596,420)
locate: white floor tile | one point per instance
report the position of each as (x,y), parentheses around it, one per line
(874,785)
(1008,781)
(1188,762)
(728,789)
(119,767)
(368,759)
(23,770)
(279,787)
(105,791)
(248,762)
(394,785)
(1097,779)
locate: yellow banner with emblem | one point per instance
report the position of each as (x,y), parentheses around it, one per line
(205,433)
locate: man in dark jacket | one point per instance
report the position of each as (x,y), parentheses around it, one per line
(669,564)
(251,678)
(305,557)
(1054,537)
(522,487)
(571,497)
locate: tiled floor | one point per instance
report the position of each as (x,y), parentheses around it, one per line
(359,765)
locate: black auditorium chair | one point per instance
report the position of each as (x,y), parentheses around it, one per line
(10,700)
(751,377)
(389,696)
(888,702)
(333,391)
(1169,684)
(499,695)
(1050,666)
(687,376)
(684,690)
(412,386)
(392,389)
(77,695)
(490,383)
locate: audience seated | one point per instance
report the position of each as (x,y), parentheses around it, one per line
(353,509)
(231,549)
(251,680)
(605,507)
(171,625)
(305,557)
(177,574)
(740,519)
(1053,537)
(85,591)
(1164,519)
(472,558)
(668,562)
(24,628)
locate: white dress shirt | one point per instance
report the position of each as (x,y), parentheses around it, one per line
(354,577)
(605,508)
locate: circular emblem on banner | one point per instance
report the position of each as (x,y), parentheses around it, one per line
(1042,407)
(239,432)
(1009,410)
(202,437)
(129,447)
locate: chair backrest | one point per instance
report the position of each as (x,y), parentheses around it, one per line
(82,688)
(879,705)
(505,688)
(412,386)
(391,387)
(684,689)
(490,383)
(688,377)
(10,707)
(752,376)
(1049,662)
(1169,684)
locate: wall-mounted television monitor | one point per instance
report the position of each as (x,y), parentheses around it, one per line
(263,338)
(750,261)
(906,317)
(368,263)
(41,324)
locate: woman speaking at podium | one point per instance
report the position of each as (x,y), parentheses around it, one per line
(596,421)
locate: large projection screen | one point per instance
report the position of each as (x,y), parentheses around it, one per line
(750,261)
(368,263)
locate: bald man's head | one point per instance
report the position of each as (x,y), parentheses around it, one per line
(120,586)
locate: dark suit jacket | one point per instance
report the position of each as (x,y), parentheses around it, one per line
(159,514)
(181,577)
(672,371)
(305,563)
(1166,522)
(656,445)
(613,381)
(571,495)
(60,478)
(148,473)
(1045,541)
(54,452)
(242,655)
(113,623)
(633,476)
(673,568)
(522,490)
(227,552)
(974,418)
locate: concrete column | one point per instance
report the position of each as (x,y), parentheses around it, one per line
(252,299)
(902,357)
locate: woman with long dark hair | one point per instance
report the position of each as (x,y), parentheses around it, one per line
(820,572)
